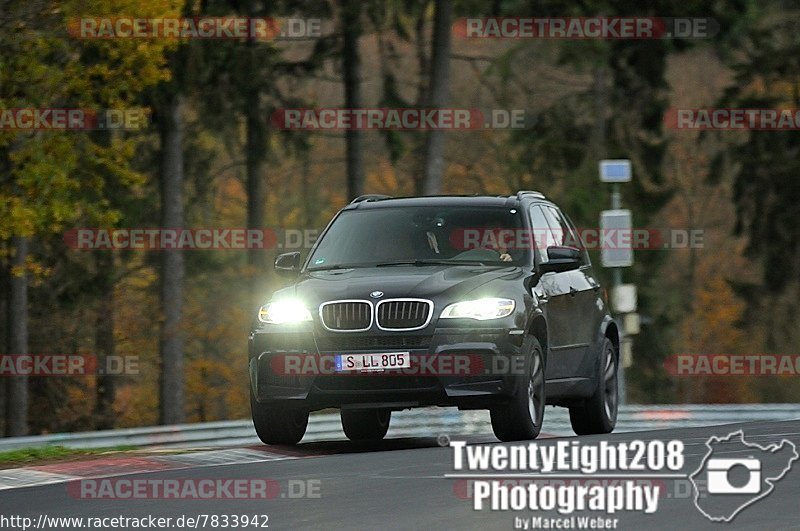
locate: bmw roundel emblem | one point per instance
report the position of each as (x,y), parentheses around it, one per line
(376,294)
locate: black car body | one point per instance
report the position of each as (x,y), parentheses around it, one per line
(530,324)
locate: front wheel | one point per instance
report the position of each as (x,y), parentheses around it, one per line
(598,413)
(365,424)
(521,418)
(278,424)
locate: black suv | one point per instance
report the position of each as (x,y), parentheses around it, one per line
(474,302)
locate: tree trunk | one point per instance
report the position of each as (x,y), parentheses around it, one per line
(351,66)
(171,405)
(104,343)
(418,171)
(439,86)
(17,386)
(256,187)
(600,106)
(4,318)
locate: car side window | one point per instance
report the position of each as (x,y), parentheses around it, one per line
(575,235)
(568,233)
(558,228)
(543,236)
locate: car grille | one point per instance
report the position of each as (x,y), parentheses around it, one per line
(346,316)
(346,343)
(403,314)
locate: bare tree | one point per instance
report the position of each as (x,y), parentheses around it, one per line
(255,155)
(171,404)
(437,94)
(17,386)
(104,341)
(351,66)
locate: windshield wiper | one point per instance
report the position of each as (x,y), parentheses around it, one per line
(337,266)
(421,263)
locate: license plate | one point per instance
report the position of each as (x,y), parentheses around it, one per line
(373,362)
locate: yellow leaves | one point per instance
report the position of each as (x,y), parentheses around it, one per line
(787,91)
(58,176)
(383,180)
(719,312)
(714,327)
(136,334)
(215,390)
(122,67)
(44,199)
(214,326)
(18,217)
(35,271)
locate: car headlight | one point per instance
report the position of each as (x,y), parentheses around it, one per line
(283,312)
(481,309)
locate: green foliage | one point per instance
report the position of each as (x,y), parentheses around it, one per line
(50,453)
(56,177)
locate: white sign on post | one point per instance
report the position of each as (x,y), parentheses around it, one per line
(616,228)
(623,298)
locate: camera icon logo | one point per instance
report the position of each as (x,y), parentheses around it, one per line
(724,486)
(719,472)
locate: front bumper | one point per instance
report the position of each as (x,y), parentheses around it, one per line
(452,366)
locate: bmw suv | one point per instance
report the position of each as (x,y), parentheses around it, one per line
(469,302)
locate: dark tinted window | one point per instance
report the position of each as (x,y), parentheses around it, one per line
(396,234)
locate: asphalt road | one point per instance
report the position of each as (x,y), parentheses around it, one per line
(400,484)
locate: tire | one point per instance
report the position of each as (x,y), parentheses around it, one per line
(598,413)
(278,424)
(365,424)
(521,418)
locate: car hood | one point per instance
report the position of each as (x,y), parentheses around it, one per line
(428,282)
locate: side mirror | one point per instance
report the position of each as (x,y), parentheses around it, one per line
(561,259)
(287,263)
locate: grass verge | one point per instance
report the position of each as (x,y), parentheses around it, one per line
(51,453)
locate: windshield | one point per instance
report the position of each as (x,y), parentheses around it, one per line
(420,234)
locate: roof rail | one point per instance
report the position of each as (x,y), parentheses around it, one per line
(370,197)
(534,193)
